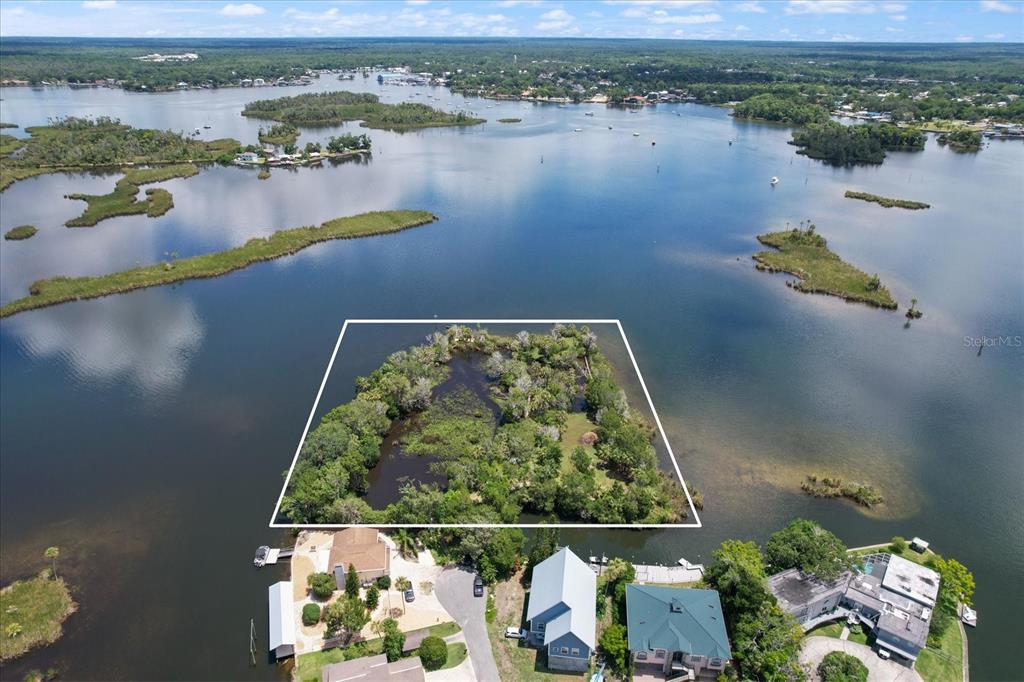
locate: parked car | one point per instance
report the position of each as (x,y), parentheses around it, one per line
(410,595)
(515,633)
(478,586)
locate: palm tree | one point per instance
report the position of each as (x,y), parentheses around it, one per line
(406,543)
(52,553)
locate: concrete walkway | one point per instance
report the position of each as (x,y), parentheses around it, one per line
(454,589)
(879,670)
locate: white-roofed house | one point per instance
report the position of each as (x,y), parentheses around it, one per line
(282,619)
(562,610)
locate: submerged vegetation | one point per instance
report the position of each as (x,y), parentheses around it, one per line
(496,469)
(279,134)
(122,201)
(20,232)
(886,201)
(867,143)
(510,120)
(328,108)
(805,254)
(73,143)
(56,290)
(833,486)
(32,612)
(771,107)
(962,140)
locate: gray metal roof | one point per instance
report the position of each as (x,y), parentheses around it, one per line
(564,579)
(676,619)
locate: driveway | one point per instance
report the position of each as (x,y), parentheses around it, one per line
(455,591)
(815,649)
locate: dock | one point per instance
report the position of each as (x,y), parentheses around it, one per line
(266,556)
(684,572)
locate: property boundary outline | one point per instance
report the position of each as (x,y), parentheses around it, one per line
(696,522)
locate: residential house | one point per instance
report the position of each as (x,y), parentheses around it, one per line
(889,595)
(374,669)
(676,633)
(562,610)
(362,548)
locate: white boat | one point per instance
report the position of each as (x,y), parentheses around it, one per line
(968,615)
(636,134)
(589,113)
(577,130)
(774,180)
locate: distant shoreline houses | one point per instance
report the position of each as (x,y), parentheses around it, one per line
(889,595)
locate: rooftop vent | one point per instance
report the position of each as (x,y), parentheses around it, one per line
(675,606)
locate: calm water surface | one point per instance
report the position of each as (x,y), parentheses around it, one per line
(146,434)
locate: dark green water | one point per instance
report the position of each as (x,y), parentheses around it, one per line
(146,434)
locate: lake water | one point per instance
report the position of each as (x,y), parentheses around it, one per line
(147,434)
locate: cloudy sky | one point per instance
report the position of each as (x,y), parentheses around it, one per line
(818,20)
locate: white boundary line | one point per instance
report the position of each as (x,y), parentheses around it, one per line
(344,327)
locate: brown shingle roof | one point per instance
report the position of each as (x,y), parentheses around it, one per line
(360,547)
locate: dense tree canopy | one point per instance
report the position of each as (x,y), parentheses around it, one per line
(807,546)
(842,145)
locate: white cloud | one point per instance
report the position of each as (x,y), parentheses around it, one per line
(893,7)
(557,20)
(417,2)
(829,7)
(740,28)
(753,6)
(891,29)
(245,9)
(994,36)
(964,39)
(844,38)
(898,17)
(998,6)
(517,3)
(662,17)
(99,4)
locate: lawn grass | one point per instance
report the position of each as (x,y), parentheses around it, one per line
(576,425)
(835,630)
(38,606)
(945,662)
(886,201)
(56,290)
(443,630)
(20,232)
(457,653)
(819,269)
(122,201)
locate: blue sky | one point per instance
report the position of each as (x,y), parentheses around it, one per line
(817,20)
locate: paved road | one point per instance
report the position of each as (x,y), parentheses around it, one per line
(815,648)
(454,588)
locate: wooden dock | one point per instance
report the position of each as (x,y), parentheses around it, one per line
(685,572)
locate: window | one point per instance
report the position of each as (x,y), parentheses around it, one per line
(641,655)
(540,627)
(575,651)
(564,650)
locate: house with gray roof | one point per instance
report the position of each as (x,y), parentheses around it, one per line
(562,610)
(891,596)
(676,633)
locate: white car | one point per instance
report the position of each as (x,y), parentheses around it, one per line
(515,633)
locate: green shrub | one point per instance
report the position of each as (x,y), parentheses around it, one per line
(384,582)
(321,584)
(841,667)
(433,653)
(898,545)
(310,614)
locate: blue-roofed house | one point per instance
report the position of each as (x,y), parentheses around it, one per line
(562,610)
(676,633)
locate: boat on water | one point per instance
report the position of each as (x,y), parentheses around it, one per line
(968,615)
(609,127)
(589,113)
(636,134)
(774,180)
(577,130)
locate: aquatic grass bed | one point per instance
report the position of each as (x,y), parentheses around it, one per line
(56,290)
(20,232)
(33,609)
(122,201)
(805,254)
(886,201)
